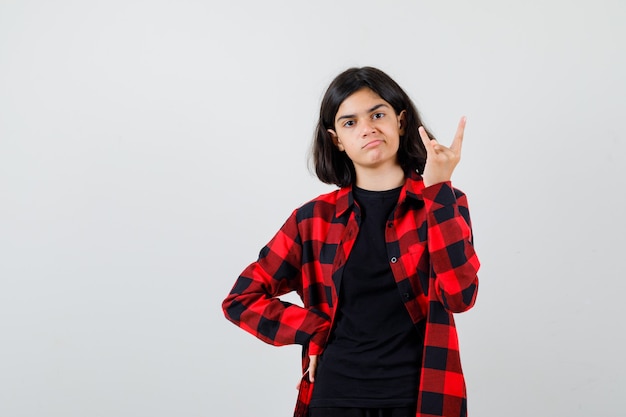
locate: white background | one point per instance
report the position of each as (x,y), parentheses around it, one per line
(149,149)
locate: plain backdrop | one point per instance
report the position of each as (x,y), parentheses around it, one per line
(149,149)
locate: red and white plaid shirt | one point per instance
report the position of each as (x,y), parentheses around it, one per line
(431,255)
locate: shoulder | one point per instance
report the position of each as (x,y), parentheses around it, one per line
(323,206)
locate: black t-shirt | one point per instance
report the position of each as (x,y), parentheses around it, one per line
(373,356)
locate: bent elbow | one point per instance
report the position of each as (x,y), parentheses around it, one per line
(233,308)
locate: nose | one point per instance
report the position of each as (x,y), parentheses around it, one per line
(367,127)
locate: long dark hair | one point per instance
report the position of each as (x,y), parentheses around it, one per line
(333,166)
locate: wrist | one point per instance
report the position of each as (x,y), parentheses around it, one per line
(434,181)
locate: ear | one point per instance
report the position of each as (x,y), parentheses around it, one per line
(335,139)
(402,122)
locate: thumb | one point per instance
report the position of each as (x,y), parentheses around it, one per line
(310,370)
(312,367)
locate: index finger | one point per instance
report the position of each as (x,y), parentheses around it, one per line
(458,137)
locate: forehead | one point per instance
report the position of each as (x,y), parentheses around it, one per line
(361,101)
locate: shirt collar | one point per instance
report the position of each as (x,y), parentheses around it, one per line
(411,190)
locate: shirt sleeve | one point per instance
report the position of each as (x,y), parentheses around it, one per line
(451,247)
(253,302)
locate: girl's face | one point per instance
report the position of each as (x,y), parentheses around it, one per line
(368,130)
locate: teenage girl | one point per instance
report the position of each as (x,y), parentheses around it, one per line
(380,264)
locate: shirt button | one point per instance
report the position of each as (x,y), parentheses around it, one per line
(406,295)
(394,260)
(390,225)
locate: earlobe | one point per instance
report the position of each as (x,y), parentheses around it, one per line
(335,139)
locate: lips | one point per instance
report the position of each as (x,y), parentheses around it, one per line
(372,143)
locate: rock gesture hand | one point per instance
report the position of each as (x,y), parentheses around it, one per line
(440,160)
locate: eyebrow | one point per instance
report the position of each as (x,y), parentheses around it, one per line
(351,116)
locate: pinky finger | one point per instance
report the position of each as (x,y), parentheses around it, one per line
(425,138)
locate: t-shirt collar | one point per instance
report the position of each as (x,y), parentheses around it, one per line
(411,190)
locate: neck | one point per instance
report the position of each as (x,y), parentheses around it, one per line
(380,180)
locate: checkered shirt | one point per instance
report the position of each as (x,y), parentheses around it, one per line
(431,255)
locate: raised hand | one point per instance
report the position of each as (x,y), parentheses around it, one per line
(440,160)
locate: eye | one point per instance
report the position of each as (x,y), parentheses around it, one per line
(378,115)
(349,123)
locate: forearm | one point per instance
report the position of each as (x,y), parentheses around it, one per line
(450,242)
(271,319)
